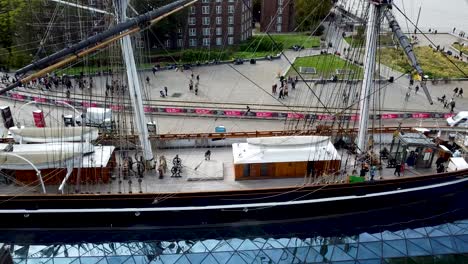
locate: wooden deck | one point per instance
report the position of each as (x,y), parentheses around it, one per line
(197,175)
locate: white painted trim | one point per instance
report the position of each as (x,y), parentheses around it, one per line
(226,207)
(83,7)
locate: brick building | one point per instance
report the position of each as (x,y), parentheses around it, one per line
(277,16)
(214,24)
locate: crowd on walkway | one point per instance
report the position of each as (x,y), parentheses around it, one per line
(284,84)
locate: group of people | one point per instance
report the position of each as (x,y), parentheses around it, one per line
(284,86)
(191,85)
(461,34)
(457,92)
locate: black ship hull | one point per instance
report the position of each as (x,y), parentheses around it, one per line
(381,203)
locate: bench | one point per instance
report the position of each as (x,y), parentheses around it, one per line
(344,72)
(307,70)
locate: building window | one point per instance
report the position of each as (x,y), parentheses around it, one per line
(280,2)
(219,9)
(206,21)
(205,1)
(206,42)
(206,31)
(231,9)
(219,41)
(278,28)
(219,31)
(230,40)
(193,10)
(192,32)
(193,42)
(219,20)
(191,21)
(280,10)
(168,43)
(230,30)
(279,20)
(231,20)
(180,43)
(205,10)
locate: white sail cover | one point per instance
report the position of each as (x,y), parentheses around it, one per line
(43,156)
(54,134)
(284,149)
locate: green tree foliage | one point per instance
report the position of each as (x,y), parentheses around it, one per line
(12,17)
(260,44)
(309,13)
(9,13)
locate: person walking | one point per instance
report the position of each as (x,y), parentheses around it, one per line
(372,173)
(281,94)
(397,169)
(452,105)
(147,80)
(208,155)
(455,91)
(198,77)
(460,92)
(416,89)
(196,89)
(165,90)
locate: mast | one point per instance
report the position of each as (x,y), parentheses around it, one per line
(408,49)
(134,87)
(369,69)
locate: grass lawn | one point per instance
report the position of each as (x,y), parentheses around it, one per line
(355,42)
(326,66)
(434,64)
(289,40)
(464,48)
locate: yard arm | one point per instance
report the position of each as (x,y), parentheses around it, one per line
(408,48)
(94,43)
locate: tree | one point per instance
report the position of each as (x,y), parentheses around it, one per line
(309,13)
(9,13)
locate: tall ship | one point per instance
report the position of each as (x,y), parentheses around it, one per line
(105,166)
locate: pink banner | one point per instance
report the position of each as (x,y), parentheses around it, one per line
(389,116)
(88,104)
(173,110)
(264,114)
(354,117)
(39,120)
(148,109)
(233,113)
(17,96)
(448,115)
(116,107)
(64,101)
(40,99)
(421,115)
(325,117)
(203,111)
(295,116)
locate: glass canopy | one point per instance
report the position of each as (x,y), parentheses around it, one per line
(446,243)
